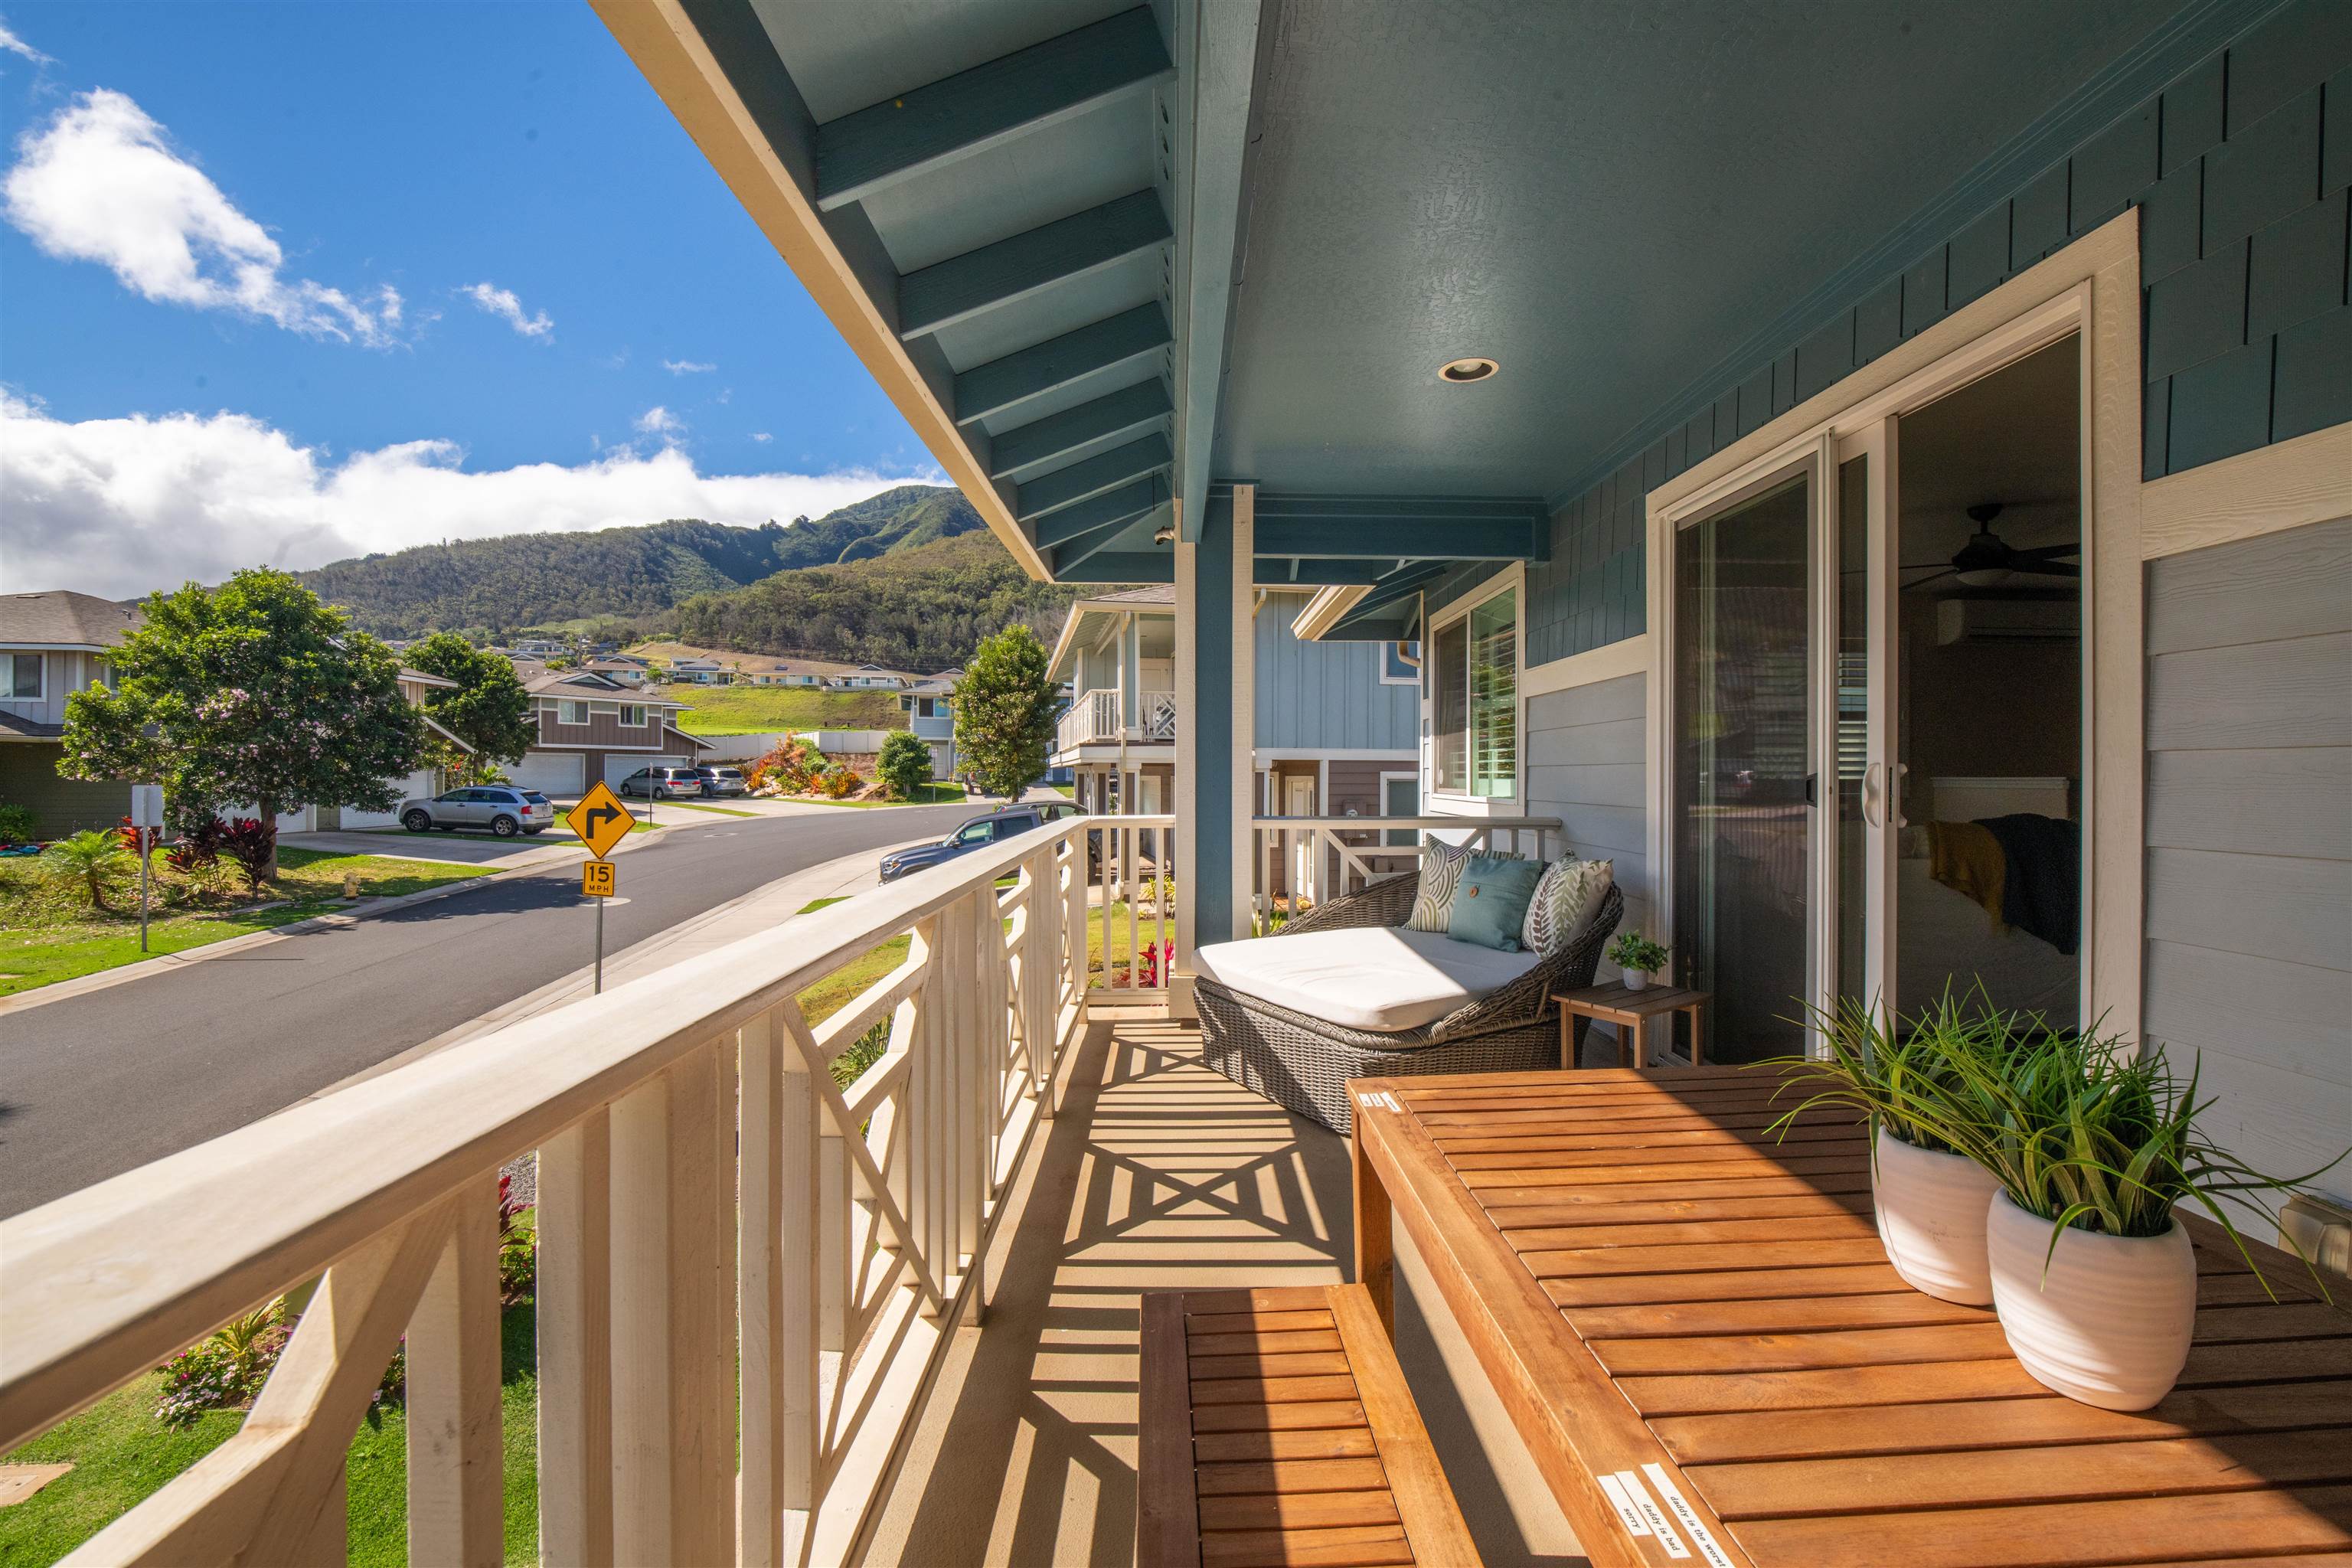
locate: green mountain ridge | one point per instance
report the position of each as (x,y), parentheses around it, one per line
(633,574)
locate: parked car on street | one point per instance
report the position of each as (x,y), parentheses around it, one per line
(977,834)
(504,809)
(661,784)
(722,781)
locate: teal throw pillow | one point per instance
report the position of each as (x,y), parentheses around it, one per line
(1491,904)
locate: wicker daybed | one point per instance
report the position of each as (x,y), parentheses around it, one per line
(1304,1063)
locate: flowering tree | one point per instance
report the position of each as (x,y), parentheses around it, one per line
(253,694)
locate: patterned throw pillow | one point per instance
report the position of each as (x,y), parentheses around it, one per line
(1441,879)
(1564,905)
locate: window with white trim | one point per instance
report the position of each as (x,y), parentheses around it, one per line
(24,677)
(568,711)
(633,715)
(1474,691)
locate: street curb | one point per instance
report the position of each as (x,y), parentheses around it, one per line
(123,974)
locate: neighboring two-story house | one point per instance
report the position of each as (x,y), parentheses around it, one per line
(593,728)
(629,672)
(51,645)
(701,672)
(928,702)
(1337,724)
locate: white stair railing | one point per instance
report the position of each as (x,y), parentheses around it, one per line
(724,1236)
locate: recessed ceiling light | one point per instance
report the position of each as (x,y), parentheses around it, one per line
(1476,368)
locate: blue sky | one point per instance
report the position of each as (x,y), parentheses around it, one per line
(453,153)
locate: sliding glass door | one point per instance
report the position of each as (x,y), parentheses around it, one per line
(1740,746)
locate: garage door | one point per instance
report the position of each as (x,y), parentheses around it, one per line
(552,772)
(619,765)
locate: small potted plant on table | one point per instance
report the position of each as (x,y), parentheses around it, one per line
(1639,957)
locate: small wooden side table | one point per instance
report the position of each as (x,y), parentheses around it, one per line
(1631,1011)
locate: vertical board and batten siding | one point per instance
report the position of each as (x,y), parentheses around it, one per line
(2240,170)
(2249,934)
(1585,765)
(1323,696)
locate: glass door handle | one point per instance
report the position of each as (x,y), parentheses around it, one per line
(1870,796)
(1894,776)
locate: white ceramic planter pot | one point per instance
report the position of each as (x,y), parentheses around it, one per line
(1636,979)
(2109,1322)
(1931,1209)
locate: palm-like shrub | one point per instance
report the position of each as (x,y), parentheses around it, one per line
(91,864)
(1909,1079)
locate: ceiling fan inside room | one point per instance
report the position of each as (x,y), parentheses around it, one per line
(1988,561)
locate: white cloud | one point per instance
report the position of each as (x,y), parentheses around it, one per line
(98,183)
(761,436)
(14,44)
(660,421)
(506,306)
(117,507)
(686,367)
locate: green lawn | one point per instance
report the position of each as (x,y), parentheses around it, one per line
(121,1454)
(38,948)
(754,709)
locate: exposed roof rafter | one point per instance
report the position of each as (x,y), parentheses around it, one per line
(1092,476)
(1124,504)
(1041,368)
(980,280)
(911,133)
(1127,409)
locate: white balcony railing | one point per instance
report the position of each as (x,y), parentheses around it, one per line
(735,1255)
(1305,860)
(1093,719)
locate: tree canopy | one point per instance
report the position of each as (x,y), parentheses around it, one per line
(489,710)
(1004,714)
(252,694)
(904,765)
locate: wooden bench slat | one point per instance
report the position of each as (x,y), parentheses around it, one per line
(2180,1465)
(1271,1390)
(1167,1523)
(1315,1442)
(1432,1521)
(1791,1352)
(1581,1208)
(1727,1178)
(1906,1309)
(1353,1546)
(1255,1298)
(1763,1157)
(1269,1343)
(1308,1416)
(1299,1510)
(1841,1225)
(1855,1181)
(1200,1323)
(1361,1475)
(2044,1419)
(1296,1364)
(1760,1284)
(1590,1262)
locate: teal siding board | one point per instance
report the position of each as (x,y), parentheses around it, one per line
(2296,270)
(2237,168)
(2313,376)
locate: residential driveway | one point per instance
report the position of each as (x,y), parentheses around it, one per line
(94,1085)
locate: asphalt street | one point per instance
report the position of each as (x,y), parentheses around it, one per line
(95,1085)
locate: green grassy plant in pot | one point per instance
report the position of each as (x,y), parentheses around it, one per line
(2093,1275)
(1639,957)
(1931,1200)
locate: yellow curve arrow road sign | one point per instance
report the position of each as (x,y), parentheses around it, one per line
(600,819)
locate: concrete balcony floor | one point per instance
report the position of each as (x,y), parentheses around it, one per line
(1158,1173)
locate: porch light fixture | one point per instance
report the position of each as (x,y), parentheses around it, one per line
(1164,534)
(1459,371)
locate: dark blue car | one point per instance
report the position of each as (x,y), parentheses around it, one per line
(978,834)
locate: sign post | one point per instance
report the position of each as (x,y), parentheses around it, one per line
(600,821)
(147,822)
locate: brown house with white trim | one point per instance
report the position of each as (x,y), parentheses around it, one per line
(593,728)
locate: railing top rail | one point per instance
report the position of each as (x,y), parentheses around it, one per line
(1448,822)
(124,1273)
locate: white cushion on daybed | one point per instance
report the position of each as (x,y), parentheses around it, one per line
(1380,978)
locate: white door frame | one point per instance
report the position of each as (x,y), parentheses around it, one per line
(2089,290)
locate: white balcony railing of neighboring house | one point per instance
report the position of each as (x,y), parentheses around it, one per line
(747,1276)
(1093,719)
(1304,860)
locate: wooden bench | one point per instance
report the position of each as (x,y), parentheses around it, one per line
(1276,1432)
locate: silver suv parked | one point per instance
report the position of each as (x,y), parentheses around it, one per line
(661,784)
(720,780)
(502,808)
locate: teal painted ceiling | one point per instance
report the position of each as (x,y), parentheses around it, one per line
(1606,198)
(1107,231)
